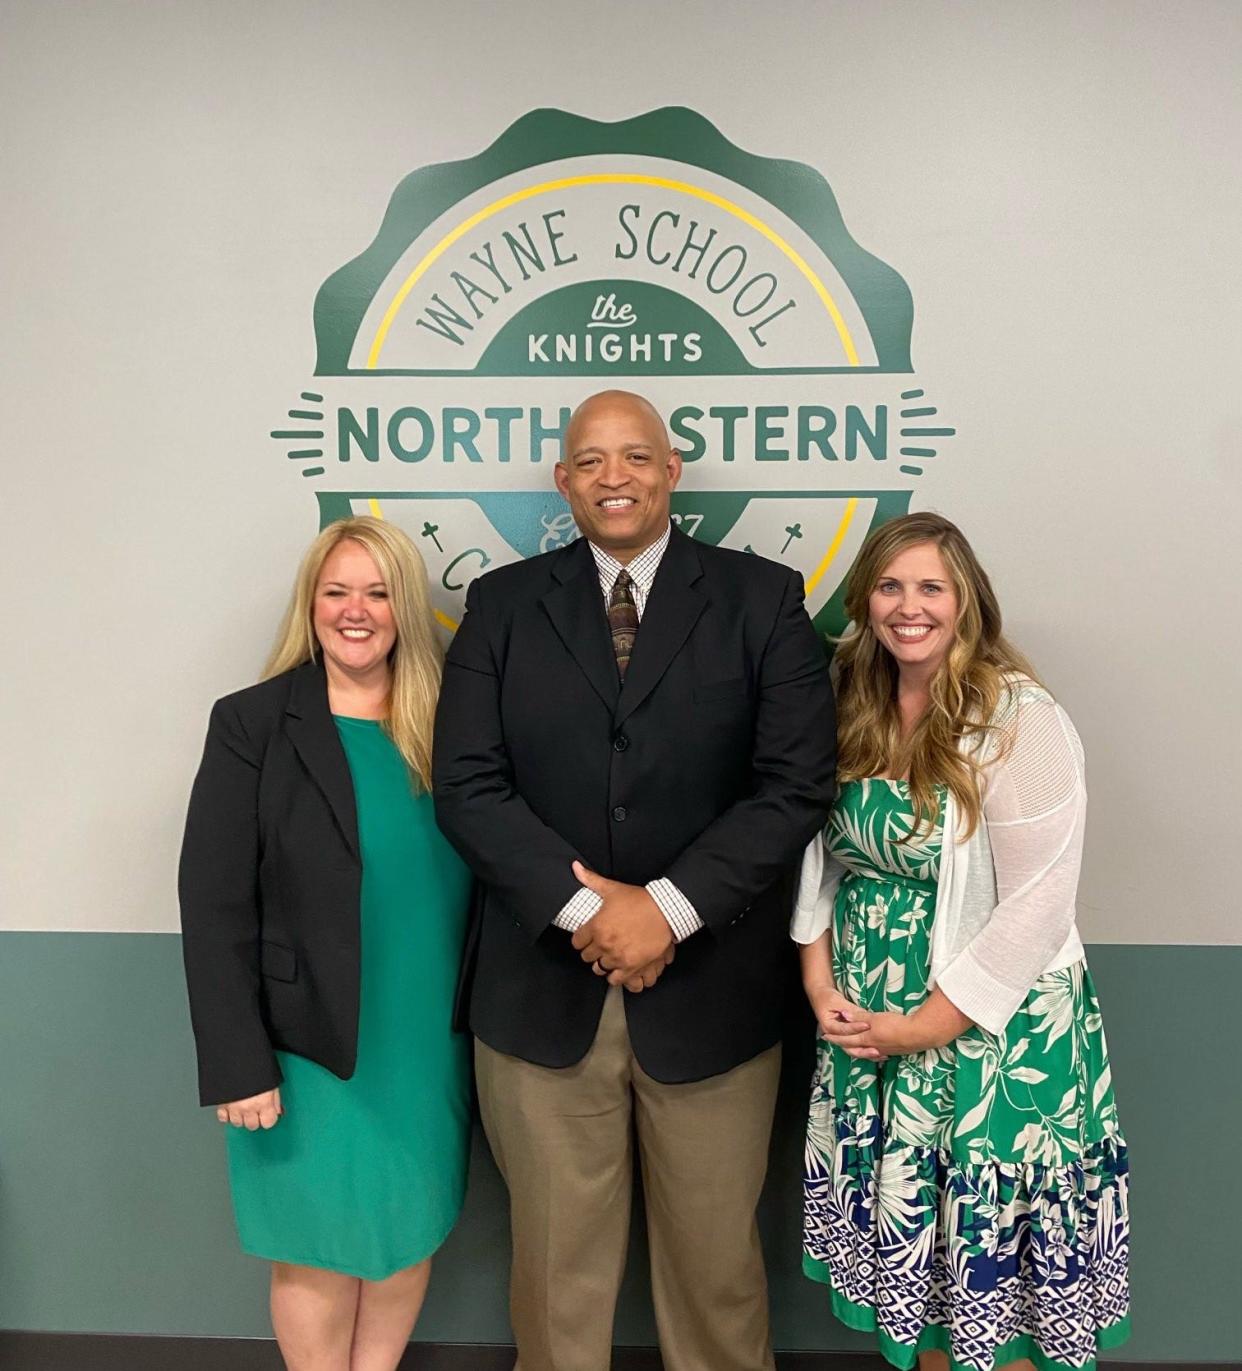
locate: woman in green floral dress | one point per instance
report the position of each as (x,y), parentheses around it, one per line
(966,1177)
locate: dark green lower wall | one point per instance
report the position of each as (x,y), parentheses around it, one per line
(114,1210)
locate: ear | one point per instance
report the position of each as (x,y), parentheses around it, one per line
(674,469)
(560,474)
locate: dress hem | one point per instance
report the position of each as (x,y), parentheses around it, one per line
(936,1337)
(342,1270)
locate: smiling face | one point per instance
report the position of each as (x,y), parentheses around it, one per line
(913,608)
(352,616)
(618,472)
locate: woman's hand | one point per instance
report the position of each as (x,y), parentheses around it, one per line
(843,1022)
(259,1111)
(885,1035)
(935,1023)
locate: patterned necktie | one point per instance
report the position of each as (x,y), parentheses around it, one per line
(622,620)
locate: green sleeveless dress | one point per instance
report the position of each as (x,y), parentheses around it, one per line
(972,1198)
(367,1176)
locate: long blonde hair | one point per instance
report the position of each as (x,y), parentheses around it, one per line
(977,674)
(416,658)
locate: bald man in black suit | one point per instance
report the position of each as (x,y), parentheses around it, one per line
(635,742)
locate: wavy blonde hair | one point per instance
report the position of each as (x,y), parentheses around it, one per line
(977,675)
(416,659)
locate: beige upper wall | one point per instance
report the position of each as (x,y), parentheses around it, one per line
(1057,183)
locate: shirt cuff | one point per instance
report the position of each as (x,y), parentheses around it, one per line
(682,916)
(578,910)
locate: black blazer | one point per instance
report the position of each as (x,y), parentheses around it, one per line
(713,765)
(270,883)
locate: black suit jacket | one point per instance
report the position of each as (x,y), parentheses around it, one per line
(712,765)
(270,883)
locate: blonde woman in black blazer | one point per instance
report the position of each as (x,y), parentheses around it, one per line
(323,919)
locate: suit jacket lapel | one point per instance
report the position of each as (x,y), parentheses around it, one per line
(314,737)
(576,607)
(673,608)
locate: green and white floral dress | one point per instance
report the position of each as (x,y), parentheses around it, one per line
(972,1198)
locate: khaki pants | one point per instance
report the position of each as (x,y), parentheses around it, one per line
(562,1140)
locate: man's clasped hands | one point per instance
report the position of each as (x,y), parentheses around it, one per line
(628,940)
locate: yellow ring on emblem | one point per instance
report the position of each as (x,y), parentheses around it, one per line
(847,518)
(612,178)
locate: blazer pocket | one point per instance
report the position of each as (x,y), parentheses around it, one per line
(277,961)
(733,689)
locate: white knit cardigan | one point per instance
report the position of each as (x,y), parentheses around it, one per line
(1004,911)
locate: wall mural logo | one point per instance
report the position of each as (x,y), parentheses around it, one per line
(650,254)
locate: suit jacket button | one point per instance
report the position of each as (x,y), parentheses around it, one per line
(619,813)
(620,743)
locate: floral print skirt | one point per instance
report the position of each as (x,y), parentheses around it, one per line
(972,1198)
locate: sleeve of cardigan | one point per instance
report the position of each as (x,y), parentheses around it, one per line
(817,888)
(1034,809)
